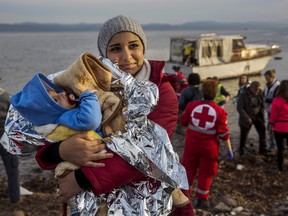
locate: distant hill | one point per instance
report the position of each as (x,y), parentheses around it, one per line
(52,27)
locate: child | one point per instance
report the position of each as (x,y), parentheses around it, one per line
(57,114)
(42,103)
(206,123)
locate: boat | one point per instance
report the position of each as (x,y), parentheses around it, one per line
(224,56)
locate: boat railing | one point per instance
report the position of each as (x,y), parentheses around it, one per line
(245,54)
(208,35)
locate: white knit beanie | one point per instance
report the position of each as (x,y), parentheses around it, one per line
(115,25)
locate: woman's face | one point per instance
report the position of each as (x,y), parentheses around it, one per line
(127,50)
(243,80)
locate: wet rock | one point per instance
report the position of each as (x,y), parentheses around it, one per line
(221,207)
(228,200)
(238,209)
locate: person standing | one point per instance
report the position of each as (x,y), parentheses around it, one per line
(206,123)
(222,96)
(279,119)
(251,112)
(243,83)
(10,161)
(179,81)
(191,93)
(269,93)
(188,53)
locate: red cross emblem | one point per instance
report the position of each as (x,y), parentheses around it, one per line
(203,116)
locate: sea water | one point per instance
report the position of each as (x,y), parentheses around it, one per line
(23,54)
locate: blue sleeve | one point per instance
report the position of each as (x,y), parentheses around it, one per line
(86,116)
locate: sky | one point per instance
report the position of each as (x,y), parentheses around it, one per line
(145,11)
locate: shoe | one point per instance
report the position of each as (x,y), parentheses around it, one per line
(17,202)
(201,204)
(263,151)
(241,151)
(271,152)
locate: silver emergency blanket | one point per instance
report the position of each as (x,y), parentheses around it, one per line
(145,145)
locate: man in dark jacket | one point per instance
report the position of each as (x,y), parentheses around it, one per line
(10,161)
(191,93)
(251,112)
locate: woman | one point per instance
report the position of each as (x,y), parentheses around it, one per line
(243,83)
(279,119)
(207,123)
(123,41)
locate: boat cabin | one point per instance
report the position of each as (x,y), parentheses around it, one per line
(210,49)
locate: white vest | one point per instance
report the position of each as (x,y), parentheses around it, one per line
(269,94)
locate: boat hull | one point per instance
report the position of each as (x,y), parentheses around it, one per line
(225,70)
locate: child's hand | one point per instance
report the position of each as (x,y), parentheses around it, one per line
(94,91)
(230,155)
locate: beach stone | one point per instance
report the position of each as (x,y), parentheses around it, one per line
(200,212)
(238,209)
(221,207)
(228,200)
(240,167)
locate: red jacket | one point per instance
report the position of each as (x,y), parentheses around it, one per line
(279,115)
(205,120)
(117,171)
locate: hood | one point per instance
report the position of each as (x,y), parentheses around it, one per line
(35,104)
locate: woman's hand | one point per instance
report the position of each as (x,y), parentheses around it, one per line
(68,187)
(80,149)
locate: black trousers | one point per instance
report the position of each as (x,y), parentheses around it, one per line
(261,130)
(11,165)
(279,137)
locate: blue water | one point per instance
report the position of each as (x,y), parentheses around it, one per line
(23,54)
